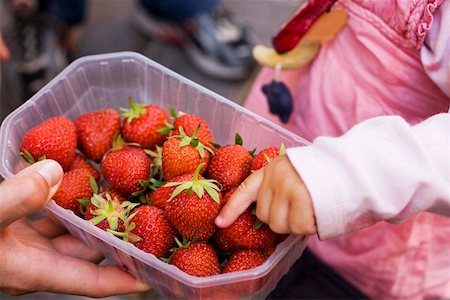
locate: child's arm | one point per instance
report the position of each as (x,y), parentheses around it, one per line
(382,169)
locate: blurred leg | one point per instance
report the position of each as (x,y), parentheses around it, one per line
(70,12)
(178,10)
(212,40)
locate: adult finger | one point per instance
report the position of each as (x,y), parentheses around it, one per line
(81,277)
(28,191)
(71,246)
(48,227)
(241,199)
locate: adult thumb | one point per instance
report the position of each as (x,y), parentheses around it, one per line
(28,191)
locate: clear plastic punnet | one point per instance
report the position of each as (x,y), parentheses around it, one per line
(106,81)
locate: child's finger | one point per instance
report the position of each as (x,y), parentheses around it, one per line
(244,195)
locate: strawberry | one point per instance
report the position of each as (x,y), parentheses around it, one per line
(192,210)
(181,154)
(245,233)
(96,132)
(143,123)
(81,163)
(149,229)
(230,165)
(189,123)
(244,260)
(197,259)
(108,211)
(124,169)
(265,156)
(76,186)
(161,195)
(55,138)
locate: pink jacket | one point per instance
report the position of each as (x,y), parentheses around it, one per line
(388,177)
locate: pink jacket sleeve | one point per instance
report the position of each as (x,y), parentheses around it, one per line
(383,168)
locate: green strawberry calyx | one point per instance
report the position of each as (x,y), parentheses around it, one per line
(110,209)
(134,112)
(29,158)
(282,151)
(193,141)
(84,203)
(128,235)
(156,165)
(258,222)
(212,187)
(169,127)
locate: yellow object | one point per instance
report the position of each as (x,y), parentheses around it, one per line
(298,57)
(323,30)
(326,27)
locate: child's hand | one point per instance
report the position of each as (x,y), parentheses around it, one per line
(282,200)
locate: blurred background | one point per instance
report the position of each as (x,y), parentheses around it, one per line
(108,27)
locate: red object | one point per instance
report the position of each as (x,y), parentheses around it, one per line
(293,31)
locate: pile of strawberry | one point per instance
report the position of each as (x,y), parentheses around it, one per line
(157,181)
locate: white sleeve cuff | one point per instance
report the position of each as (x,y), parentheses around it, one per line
(326,195)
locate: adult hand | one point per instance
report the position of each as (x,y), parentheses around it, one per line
(4,51)
(41,256)
(282,200)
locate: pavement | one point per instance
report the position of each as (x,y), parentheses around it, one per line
(108,29)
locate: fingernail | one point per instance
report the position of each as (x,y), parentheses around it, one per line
(52,173)
(143,287)
(219,221)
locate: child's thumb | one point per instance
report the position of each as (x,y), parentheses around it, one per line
(28,191)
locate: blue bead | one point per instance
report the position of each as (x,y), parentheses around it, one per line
(280,99)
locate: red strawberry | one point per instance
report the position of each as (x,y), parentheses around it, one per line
(193,206)
(108,211)
(244,233)
(54,138)
(81,163)
(265,156)
(143,123)
(244,260)
(230,165)
(189,123)
(124,169)
(149,229)
(75,187)
(161,195)
(96,132)
(181,154)
(197,259)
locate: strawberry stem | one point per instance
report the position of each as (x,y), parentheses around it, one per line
(134,112)
(212,187)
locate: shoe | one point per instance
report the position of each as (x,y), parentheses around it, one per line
(214,43)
